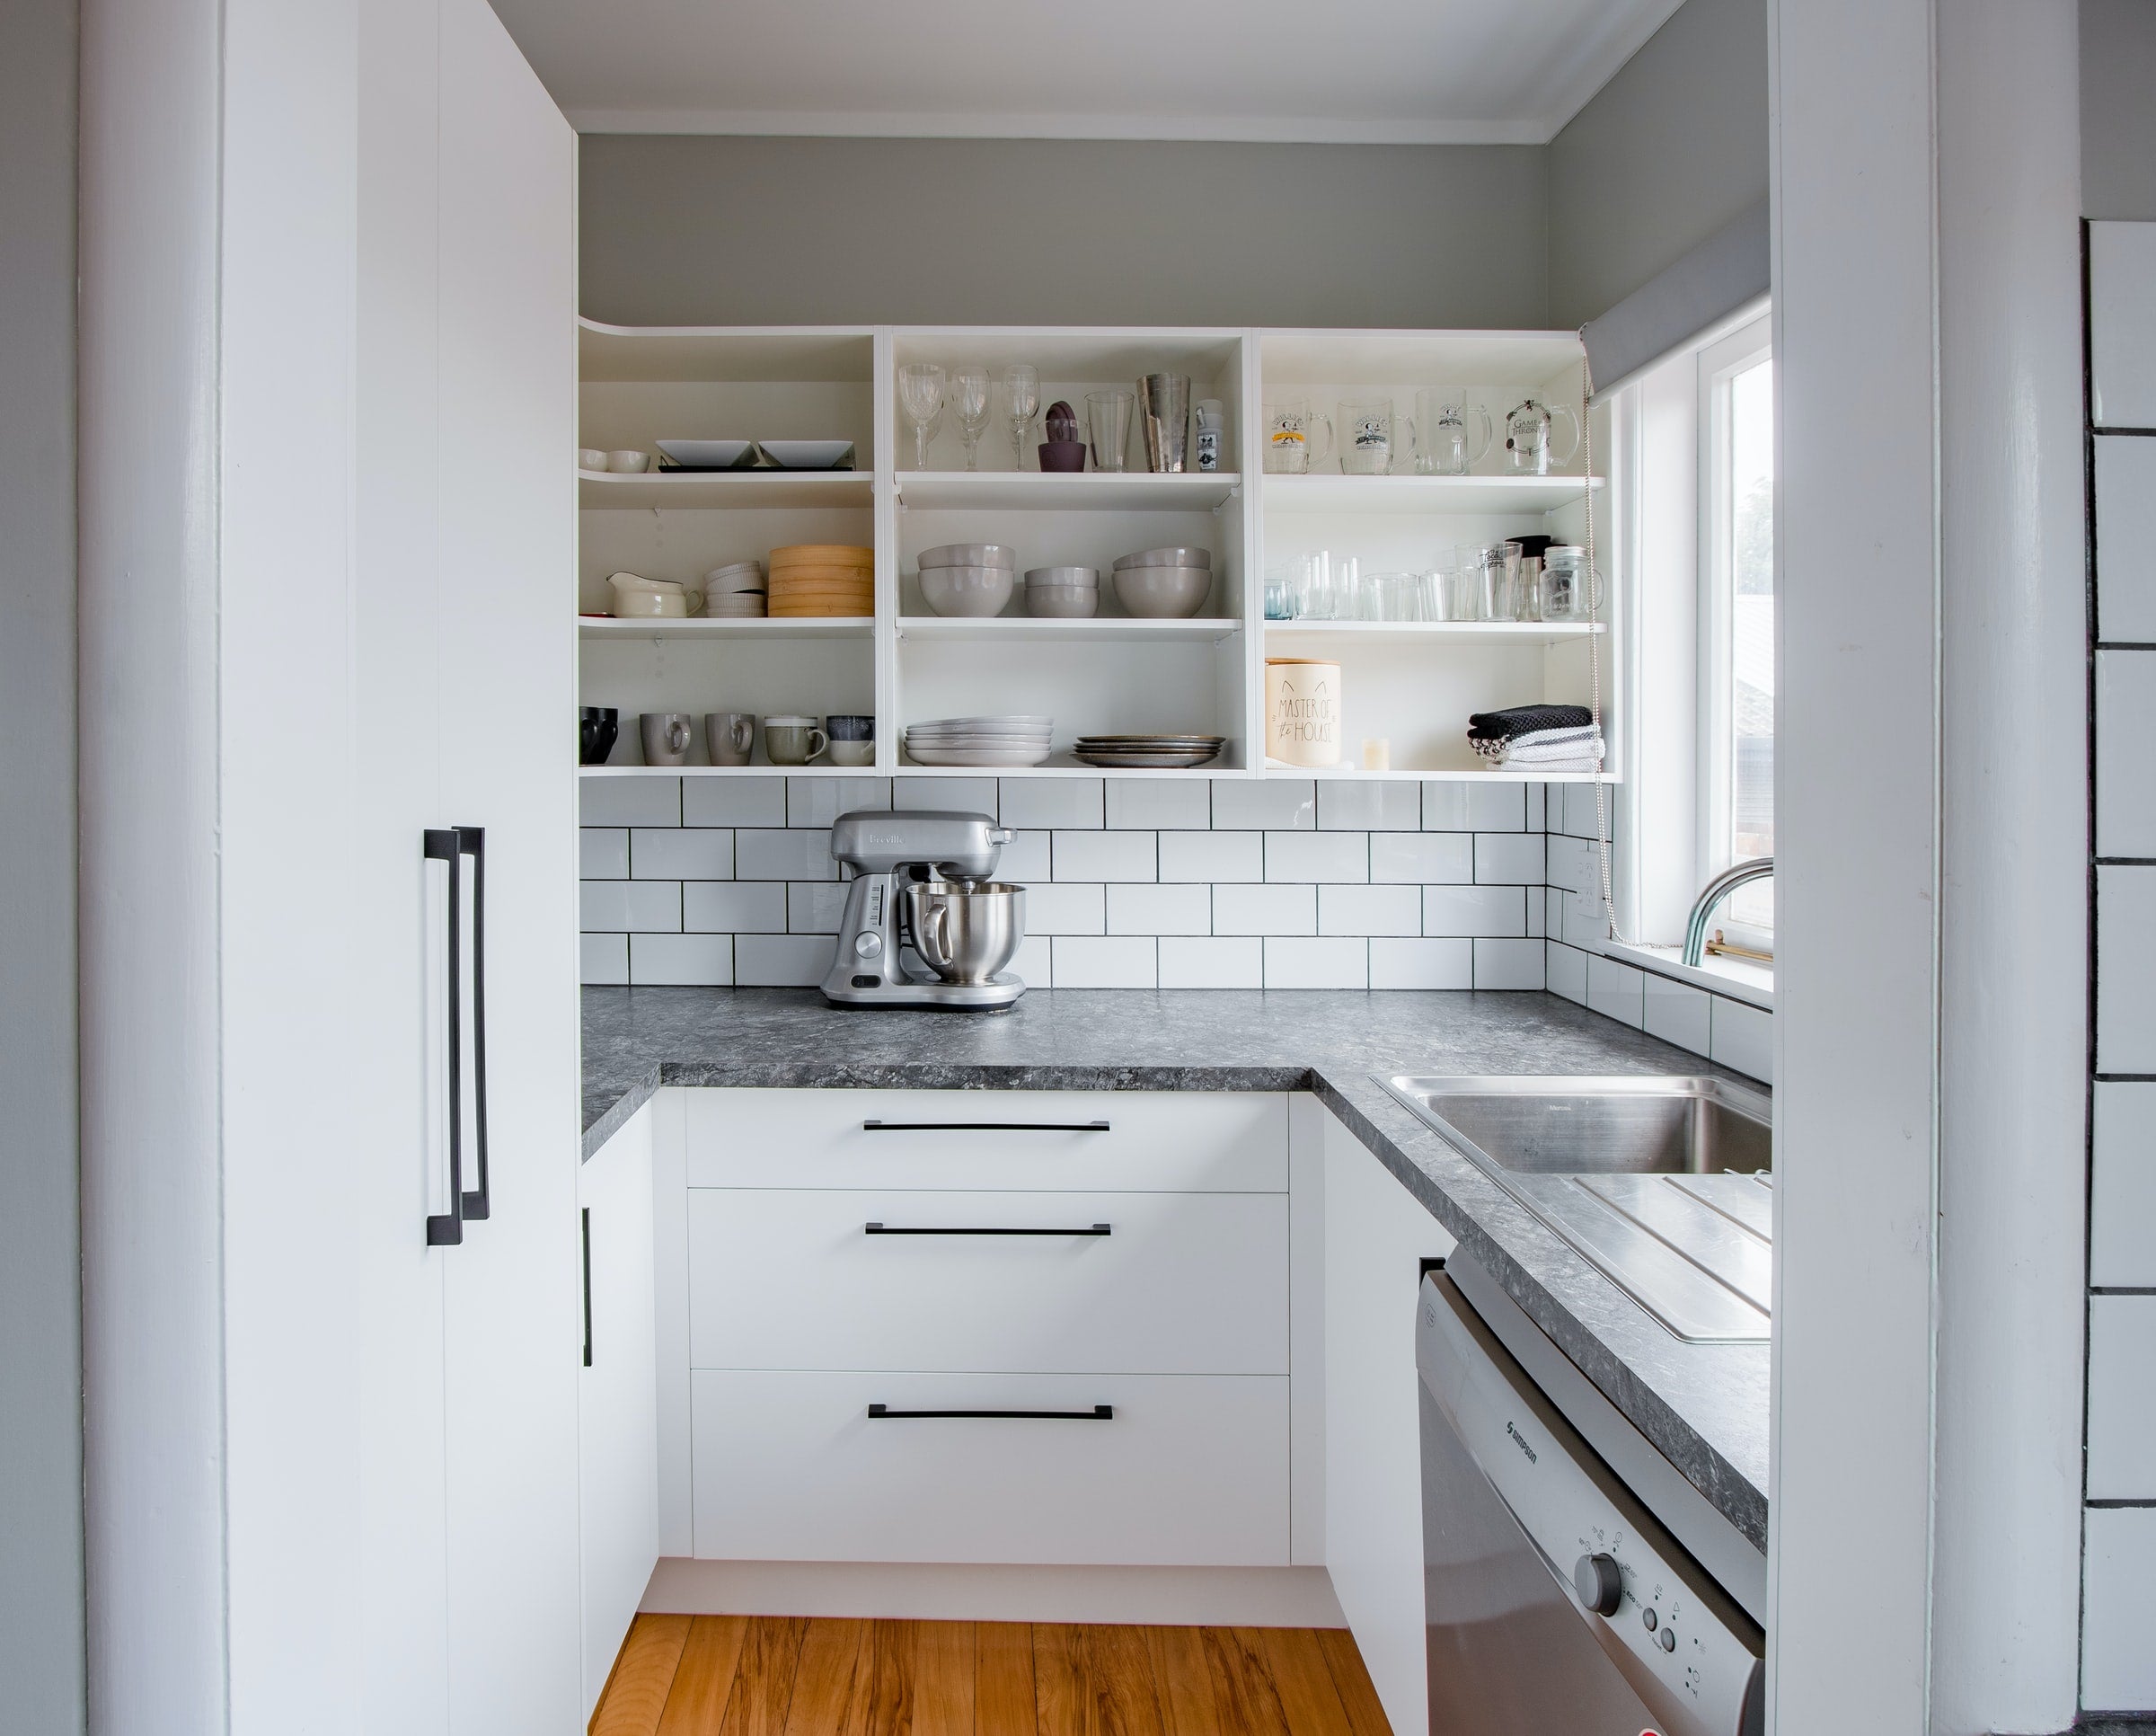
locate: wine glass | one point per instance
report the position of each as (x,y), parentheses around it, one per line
(1021,402)
(921,397)
(969,398)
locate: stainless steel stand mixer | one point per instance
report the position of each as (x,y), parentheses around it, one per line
(924,884)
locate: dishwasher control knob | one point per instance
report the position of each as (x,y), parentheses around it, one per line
(1600,1584)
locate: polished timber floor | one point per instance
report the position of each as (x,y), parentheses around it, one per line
(791,1676)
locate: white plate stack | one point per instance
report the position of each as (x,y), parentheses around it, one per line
(735,592)
(999,741)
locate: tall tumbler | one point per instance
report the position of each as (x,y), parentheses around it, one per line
(1108,414)
(1164,416)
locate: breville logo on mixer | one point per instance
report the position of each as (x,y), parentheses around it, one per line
(1521,1442)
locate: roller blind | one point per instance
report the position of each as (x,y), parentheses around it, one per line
(1725,275)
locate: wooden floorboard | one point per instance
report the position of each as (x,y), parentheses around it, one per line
(791,1676)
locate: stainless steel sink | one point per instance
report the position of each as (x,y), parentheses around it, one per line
(1664,1183)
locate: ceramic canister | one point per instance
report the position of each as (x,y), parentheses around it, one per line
(1302,710)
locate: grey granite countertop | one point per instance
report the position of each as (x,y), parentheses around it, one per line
(1704,1406)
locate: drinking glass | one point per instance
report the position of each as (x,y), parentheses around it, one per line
(1289,426)
(1314,595)
(969,399)
(1020,384)
(921,397)
(1279,595)
(1108,416)
(1494,566)
(1369,432)
(1442,421)
(1392,597)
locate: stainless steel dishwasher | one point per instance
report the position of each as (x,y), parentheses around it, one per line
(1573,1579)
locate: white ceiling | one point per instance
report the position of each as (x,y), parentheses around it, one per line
(1335,71)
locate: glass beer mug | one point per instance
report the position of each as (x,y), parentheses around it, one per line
(1289,427)
(1446,423)
(1369,434)
(1528,435)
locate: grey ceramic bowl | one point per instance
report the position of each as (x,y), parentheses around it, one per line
(1165,557)
(1063,602)
(1164,593)
(970,554)
(968,590)
(1089,577)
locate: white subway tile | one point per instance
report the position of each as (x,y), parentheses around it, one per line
(682,960)
(1554,901)
(1421,858)
(1424,964)
(1537,805)
(1106,856)
(731,907)
(602,852)
(1063,906)
(1044,803)
(2121,1399)
(603,958)
(1337,856)
(819,801)
(1508,858)
(780,960)
(1565,971)
(1141,910)
(2122,1203)
(2118,1609)
(1497,806)
(703,853)
(1293,962)
(1572,865)
(814,906)
(1586,926)
(1270,804)
(2122,337)
(946,795)
(1212,856)
(638,800)
(1579,811)
(1152,804)
(1265,909)
(1106,961)
(1678,1014)
(1369,910)
(783,855)
(1742,1037)
(1475,912)
(1614,991)
(1348,805)
(1505,963)
(2125,970)
(1537,896)
(1032,964)
(2125,773)
(2125,539)
(613,907)
(1025,859)
(1221,962)
(733,801)
(1445,807)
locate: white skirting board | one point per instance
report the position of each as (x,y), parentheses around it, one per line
(1209,1597)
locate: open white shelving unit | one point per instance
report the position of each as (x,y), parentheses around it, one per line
(1412,684)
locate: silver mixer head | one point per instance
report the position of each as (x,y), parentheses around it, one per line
(956,847)
(896,857)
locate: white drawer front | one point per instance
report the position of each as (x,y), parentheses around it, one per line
(1191,1470)
(1182,1283)
(1154,1141)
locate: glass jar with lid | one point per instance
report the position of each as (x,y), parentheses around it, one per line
(1570,589)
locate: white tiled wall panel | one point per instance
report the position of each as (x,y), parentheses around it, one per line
(2126,753)
(948,795)
(2122,336)
(1044,803)
(605,958)
(1677,1013)
(819,801)
(1105,855)
(2118,1609)
(602,852)
(1344,806)
(700,852)
(628,906)
(1317,856)
(1565,971)
(2122,1399)
(2125,970)
(1276,805)
(2125,539)
(1617,991)
(727,906)
(631,801)
(1502,963)
(1477,912)
(1152,804)
(1426,964)
(1509,858)
(1212,856)
(1294,961)
(729,801)
(1422,858)
(1107,962)
(2122,1202)
(682,959)
(1497,806)
(1370,910)
(1265,909)
(1212,962)
(1743,1037)
(780,960)
(1134,910)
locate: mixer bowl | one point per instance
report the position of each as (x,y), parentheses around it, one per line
(965,934)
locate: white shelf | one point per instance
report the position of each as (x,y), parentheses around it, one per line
(666,354)
(1332,358)
(1129,491)
(833,626)
(1431,633)
(1494,774)
(1006,628)
(707,490)
(1428,494)
(1067,768)
(727,771)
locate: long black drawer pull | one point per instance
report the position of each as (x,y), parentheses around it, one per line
(984,1127)
(586,1234)
(445,1229)
(472,841)
(1098,1413)
(901,1230)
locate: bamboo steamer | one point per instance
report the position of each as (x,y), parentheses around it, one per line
(824,575)
(822,554)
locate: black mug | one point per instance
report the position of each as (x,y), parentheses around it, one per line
(597,729)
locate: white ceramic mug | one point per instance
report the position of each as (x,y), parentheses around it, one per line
(793,740)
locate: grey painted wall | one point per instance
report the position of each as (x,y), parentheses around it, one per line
(2118,121)
(40,1342)
(1668,152)
(1062,232)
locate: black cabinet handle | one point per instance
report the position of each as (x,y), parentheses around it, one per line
(888,1229)
(984,1127)
(445,1229)
(472,841)
(587,1231)
(1098,1413)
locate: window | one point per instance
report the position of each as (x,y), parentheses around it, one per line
(1736,621)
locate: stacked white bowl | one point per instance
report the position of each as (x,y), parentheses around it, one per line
(1069,593)
(1002,742)
(973,578)
(1164,583)
(735,592)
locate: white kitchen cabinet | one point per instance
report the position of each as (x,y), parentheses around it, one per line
(617,1395)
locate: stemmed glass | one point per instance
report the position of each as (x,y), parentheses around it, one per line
(969,398)
(1021,402)
(921,397)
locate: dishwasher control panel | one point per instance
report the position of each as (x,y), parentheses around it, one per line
(1694,1657)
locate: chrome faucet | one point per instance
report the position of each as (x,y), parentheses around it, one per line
(1718,888)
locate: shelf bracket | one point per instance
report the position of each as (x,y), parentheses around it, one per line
(1233,495)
